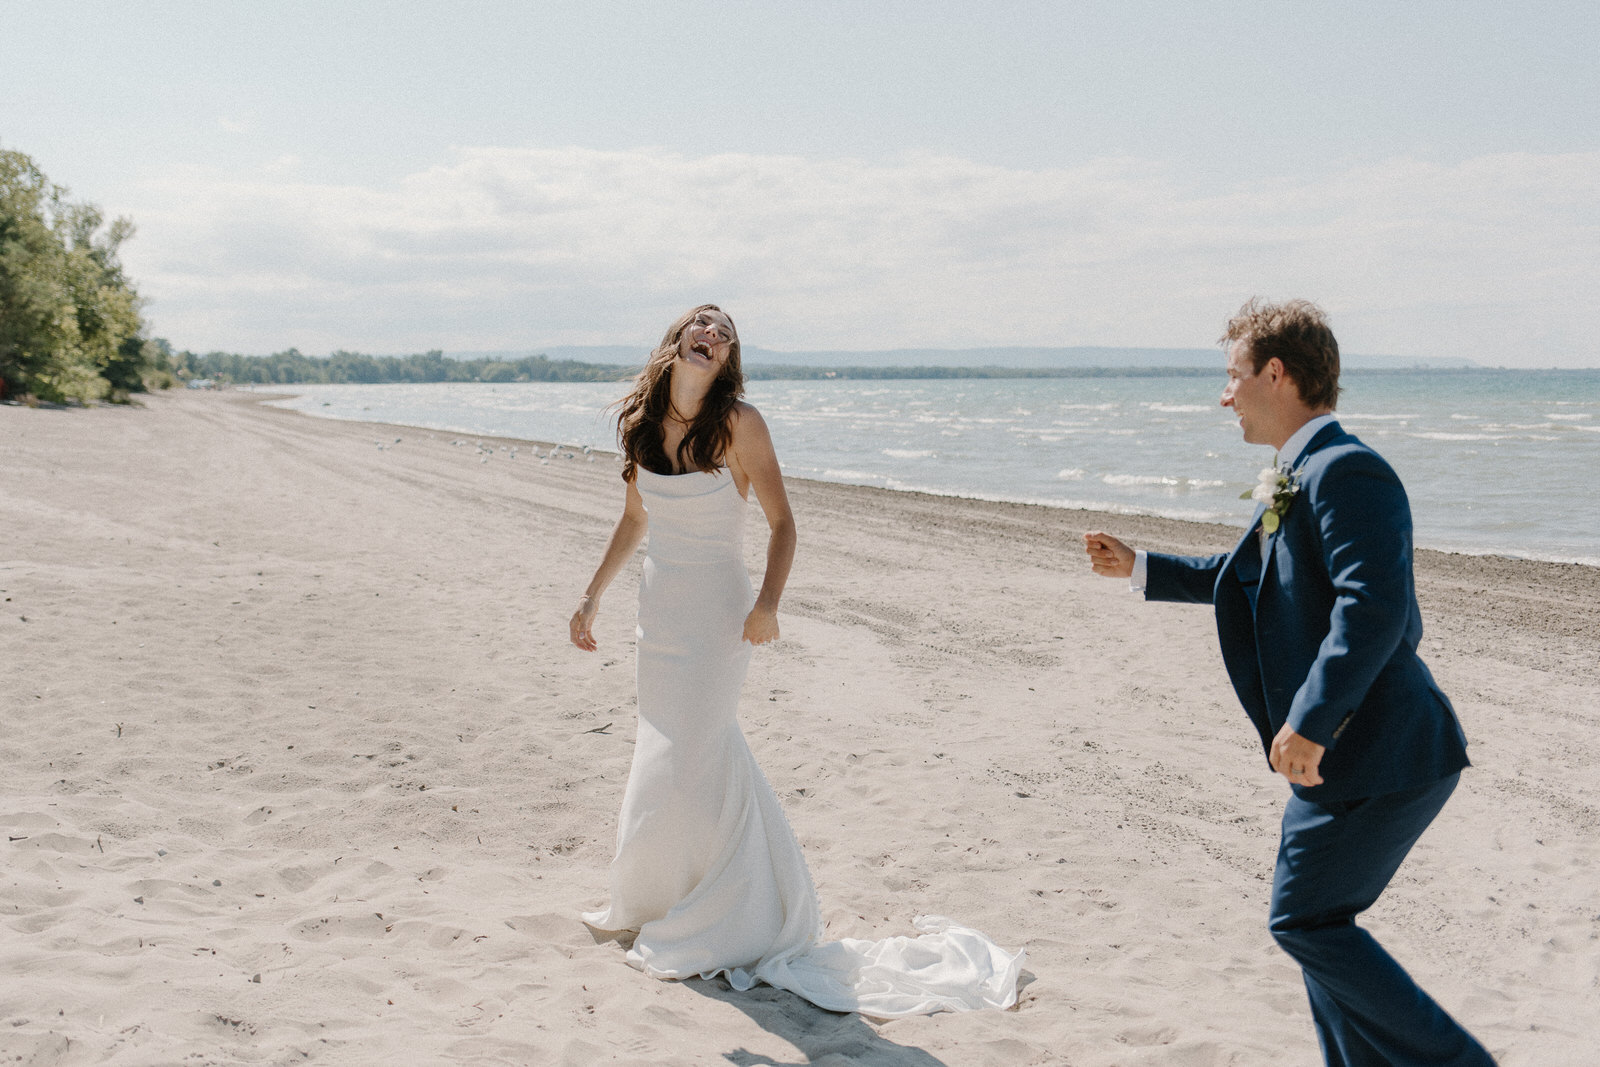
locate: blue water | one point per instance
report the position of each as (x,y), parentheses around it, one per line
(1494,462)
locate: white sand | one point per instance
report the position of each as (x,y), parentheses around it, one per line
(298,766)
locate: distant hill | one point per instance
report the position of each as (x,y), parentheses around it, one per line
(1025,358)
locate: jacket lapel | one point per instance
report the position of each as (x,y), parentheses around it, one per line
(1247,554)
(1318,440)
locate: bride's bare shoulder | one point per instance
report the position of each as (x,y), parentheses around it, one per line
(744,420)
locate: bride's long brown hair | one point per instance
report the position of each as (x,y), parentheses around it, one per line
(644,410)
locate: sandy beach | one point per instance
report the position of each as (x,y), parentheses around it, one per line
(298,766)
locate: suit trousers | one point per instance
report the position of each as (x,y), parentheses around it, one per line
(1334,860)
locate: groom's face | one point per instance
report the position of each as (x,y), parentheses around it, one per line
(1247,395)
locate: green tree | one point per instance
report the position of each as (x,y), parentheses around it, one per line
(70,327)
(33,306)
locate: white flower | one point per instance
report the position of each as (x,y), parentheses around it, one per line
(1266,486)
(1276,488)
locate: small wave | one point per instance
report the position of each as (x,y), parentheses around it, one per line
(1569,418)
(1179,409)
(909,453)
(1117,507)
(1162,481)
(1351,416)
(1069,503)
(1072,474)
(820,415)
(1440,435)
(857,477)
(1546,426)
(1140,479)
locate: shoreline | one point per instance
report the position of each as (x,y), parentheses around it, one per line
(1110,516)
(300,765)
(1552,599)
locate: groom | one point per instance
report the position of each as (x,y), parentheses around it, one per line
(1319,626)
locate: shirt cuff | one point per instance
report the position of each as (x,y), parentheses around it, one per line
(1141,567)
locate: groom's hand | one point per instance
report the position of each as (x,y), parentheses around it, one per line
(1108,556)
(1296,757)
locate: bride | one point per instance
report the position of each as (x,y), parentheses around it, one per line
(707,872)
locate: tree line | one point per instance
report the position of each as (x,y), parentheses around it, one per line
(70,322)
(292,367)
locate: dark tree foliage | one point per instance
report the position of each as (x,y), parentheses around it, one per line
(70,328)
(292,367)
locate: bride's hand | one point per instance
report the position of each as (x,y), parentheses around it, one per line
(761,626)
(582,624)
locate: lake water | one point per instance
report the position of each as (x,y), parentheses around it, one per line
(1494,462)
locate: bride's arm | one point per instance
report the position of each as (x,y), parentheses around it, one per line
(624,539)
(757,462)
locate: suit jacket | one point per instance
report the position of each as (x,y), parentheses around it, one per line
(1322,633)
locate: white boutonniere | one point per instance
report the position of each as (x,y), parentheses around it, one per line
(1276,488)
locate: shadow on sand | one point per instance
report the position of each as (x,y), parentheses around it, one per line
(824,1038)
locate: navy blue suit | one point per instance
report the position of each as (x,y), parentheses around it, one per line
(1322,634)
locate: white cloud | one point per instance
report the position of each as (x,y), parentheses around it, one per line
(1494,258)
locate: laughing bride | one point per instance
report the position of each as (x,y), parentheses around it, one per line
(707,872)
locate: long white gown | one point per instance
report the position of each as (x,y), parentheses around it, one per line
(707,870)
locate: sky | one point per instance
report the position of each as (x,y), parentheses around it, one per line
(393,177)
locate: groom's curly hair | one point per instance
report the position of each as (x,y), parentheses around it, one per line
(1296,333)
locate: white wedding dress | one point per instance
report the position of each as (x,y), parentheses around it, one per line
(707,870)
